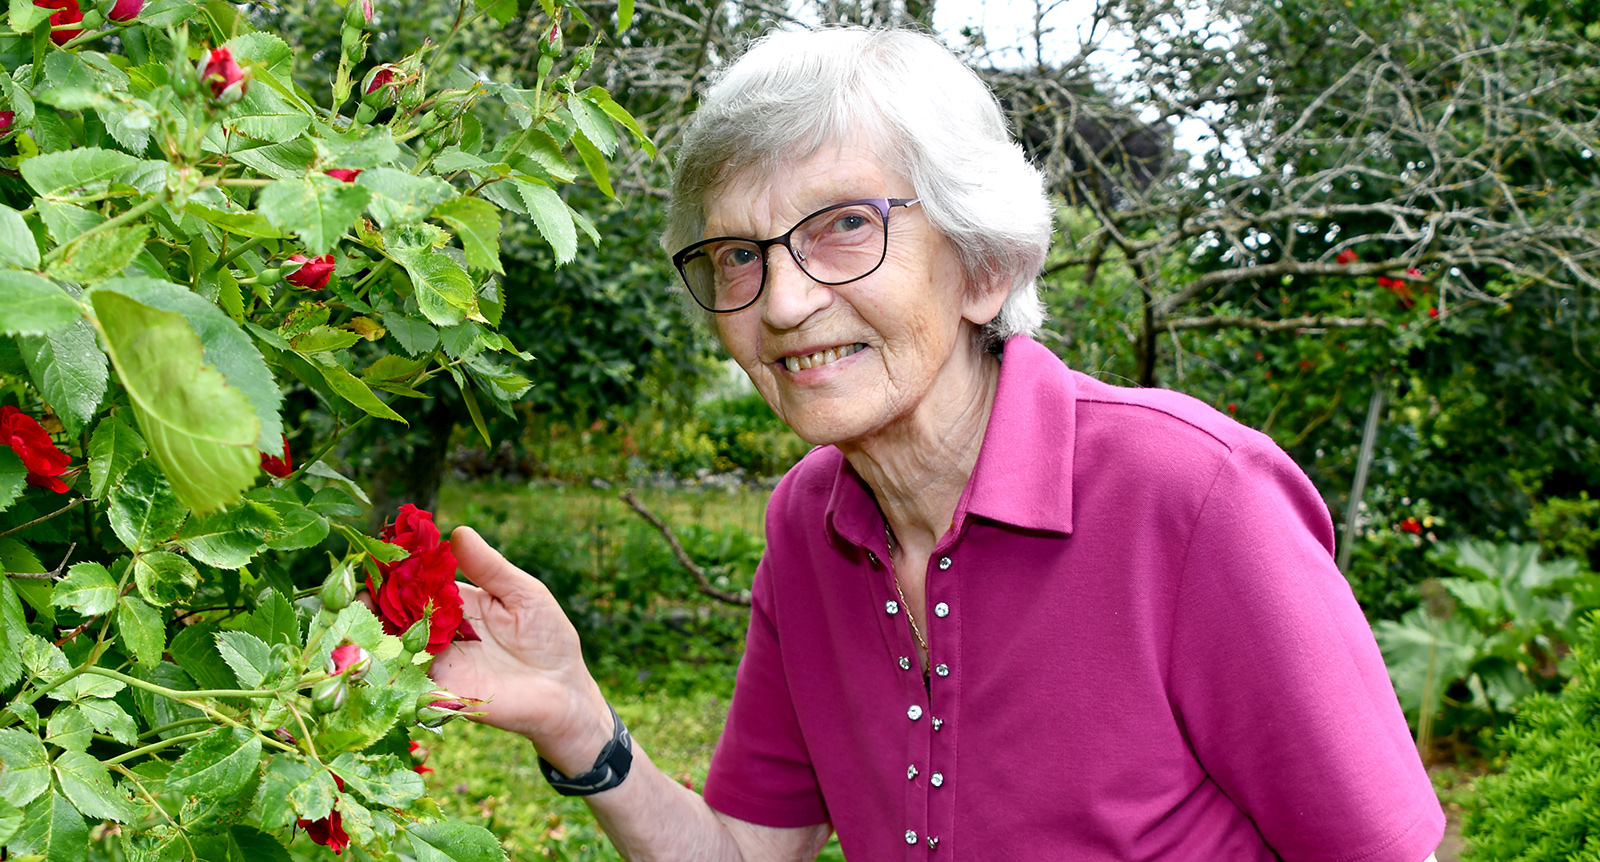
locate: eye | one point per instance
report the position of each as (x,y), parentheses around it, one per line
(738,256)
(849,222)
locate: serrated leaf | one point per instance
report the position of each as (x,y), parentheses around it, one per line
(24,15)
(382,780)
(321,468)
(70,370)
(34,305)
(240,224)
(270,128)
(144,512)
(603,100)
(595,162)
(68,729)
(201,430)
(443,289)
(164,577)
(399,197)
(130,124)
(87,782)
(88,589)
(13,478)
(248,655)
(99,256)
(108,717)
(301,528)
(10,821)
(286,161)
(141,630)
(274,620)
(218,766)
(228,540)
(13,635)
(87,685)
(52,830)
(374,147)
(114,448)
(194,648)
(313,797)
(321,339)
(87,170)
(283,773)
(477,224)
(502,11)
(17,246)
(26,764)
(317,208)
(415,336)
(454,842)
(552,217)
(594,124)
(350,388)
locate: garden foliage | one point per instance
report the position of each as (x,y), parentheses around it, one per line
(188,236)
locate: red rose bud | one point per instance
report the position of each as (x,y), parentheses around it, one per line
(339,589)
(550,43)
(359,14)
(329,695)
(7,119)
(350,660)
(328,831)
(26,437)
(312,273)
(343,175)
(423,583)
(1412,526)
(420,755)
(280,467)
(437,707)
(67,13)
(126,10)
(228,81)
(1347,256)
(379,88)
(1433,312)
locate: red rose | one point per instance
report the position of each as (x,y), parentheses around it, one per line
(343,175)
(222,72)
(329,831)
(1433,312)
(1305,365)
(383,77)
(126,10)
(1347,256)
(426,579)
(1232,407)
(280,467)
(45,463)
(1412,526)
(350,660)
(311,273)
(68,13)
(7,118)
(420,755)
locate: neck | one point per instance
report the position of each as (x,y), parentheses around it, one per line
(919,468)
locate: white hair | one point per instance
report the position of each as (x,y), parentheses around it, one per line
(793,92)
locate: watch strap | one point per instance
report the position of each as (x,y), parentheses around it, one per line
(610,768)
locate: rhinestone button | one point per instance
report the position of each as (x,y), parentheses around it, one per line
(936,779)
(911,772)
(939,610)
(891,607)
(933,843)
(914,713)
(905,663)
(942,670)
(944,564)
(937,723)
(911,837)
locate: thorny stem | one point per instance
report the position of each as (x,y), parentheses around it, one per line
(173,694)
(156,746)
(45,517)
(109,224)
(326,448)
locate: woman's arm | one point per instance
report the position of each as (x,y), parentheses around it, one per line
(529,668)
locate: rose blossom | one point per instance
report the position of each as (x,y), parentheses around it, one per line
(7,119)
(1347,256)
(67,13)
(426,579)
(44,462)
(343,175)
(222,72)
(312,273)
(420,755)
(126,10)
(350,660)
(280,467)
(329,831)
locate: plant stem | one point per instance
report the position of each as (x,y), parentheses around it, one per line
(381,267)
(326,448)
(234,255)
(175,725)
(109,224)
(42,518)
(156,746)
(173,694)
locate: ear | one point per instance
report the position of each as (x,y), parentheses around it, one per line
(985,299)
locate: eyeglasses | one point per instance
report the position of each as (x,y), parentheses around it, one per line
(834,245)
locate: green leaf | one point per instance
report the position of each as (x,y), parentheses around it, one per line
(257,846)
(273,808)
(143,511)
(108,717)
(53,831)
(502,11)
(454,842)
(616,112)
(477,223)
(595,162)
(114,448)
(13,478)
(321,339)
(240,224)
(274,620)
(226,346)
(34,305)
(543,153)
(317,208)
(26,766)
(228,540)
(381,780)
(201,430)
(443,289)
(380,550)
(248,655)
(375,146)
(164,577)
(594,124)
(415,336)
(87,782)
(101,255)
(25,16)
(10,821)
(551,216)
(399,197)
(218,766)
(352,389)
(69,729)
(321,469)
(301,528)
(17,246)
(313,797)
(88,589)
(286,161)
(270,128)
(141,630)
(87,685)
(624,14)
(70,370)
(194,648)
(88,170)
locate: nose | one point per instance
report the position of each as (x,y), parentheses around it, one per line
(790,296)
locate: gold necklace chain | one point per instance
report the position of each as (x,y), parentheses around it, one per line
(888,537)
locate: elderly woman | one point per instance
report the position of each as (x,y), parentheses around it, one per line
(1006,611)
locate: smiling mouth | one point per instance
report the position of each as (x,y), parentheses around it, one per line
(821,357)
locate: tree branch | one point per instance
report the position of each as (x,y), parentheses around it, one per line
(741,598)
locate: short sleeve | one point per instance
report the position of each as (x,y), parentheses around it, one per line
(1279,684)
(761,771)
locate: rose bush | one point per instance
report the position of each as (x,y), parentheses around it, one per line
(189,242)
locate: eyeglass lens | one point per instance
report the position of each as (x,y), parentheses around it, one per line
(834,246)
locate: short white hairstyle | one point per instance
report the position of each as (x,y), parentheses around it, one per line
(794,92)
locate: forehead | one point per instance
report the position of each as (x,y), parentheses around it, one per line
(763,203)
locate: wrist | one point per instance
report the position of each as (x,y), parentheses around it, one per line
(609,769)
(575,742)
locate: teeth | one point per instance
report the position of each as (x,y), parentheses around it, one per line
(820,358)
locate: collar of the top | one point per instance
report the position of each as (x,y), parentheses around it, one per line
(1024,472)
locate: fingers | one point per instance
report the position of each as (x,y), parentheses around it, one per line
(484,566)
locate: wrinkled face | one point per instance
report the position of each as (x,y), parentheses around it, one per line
(842,364)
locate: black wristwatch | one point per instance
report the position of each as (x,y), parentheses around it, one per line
(610,768)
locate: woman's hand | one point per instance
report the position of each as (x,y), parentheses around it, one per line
(527,664)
